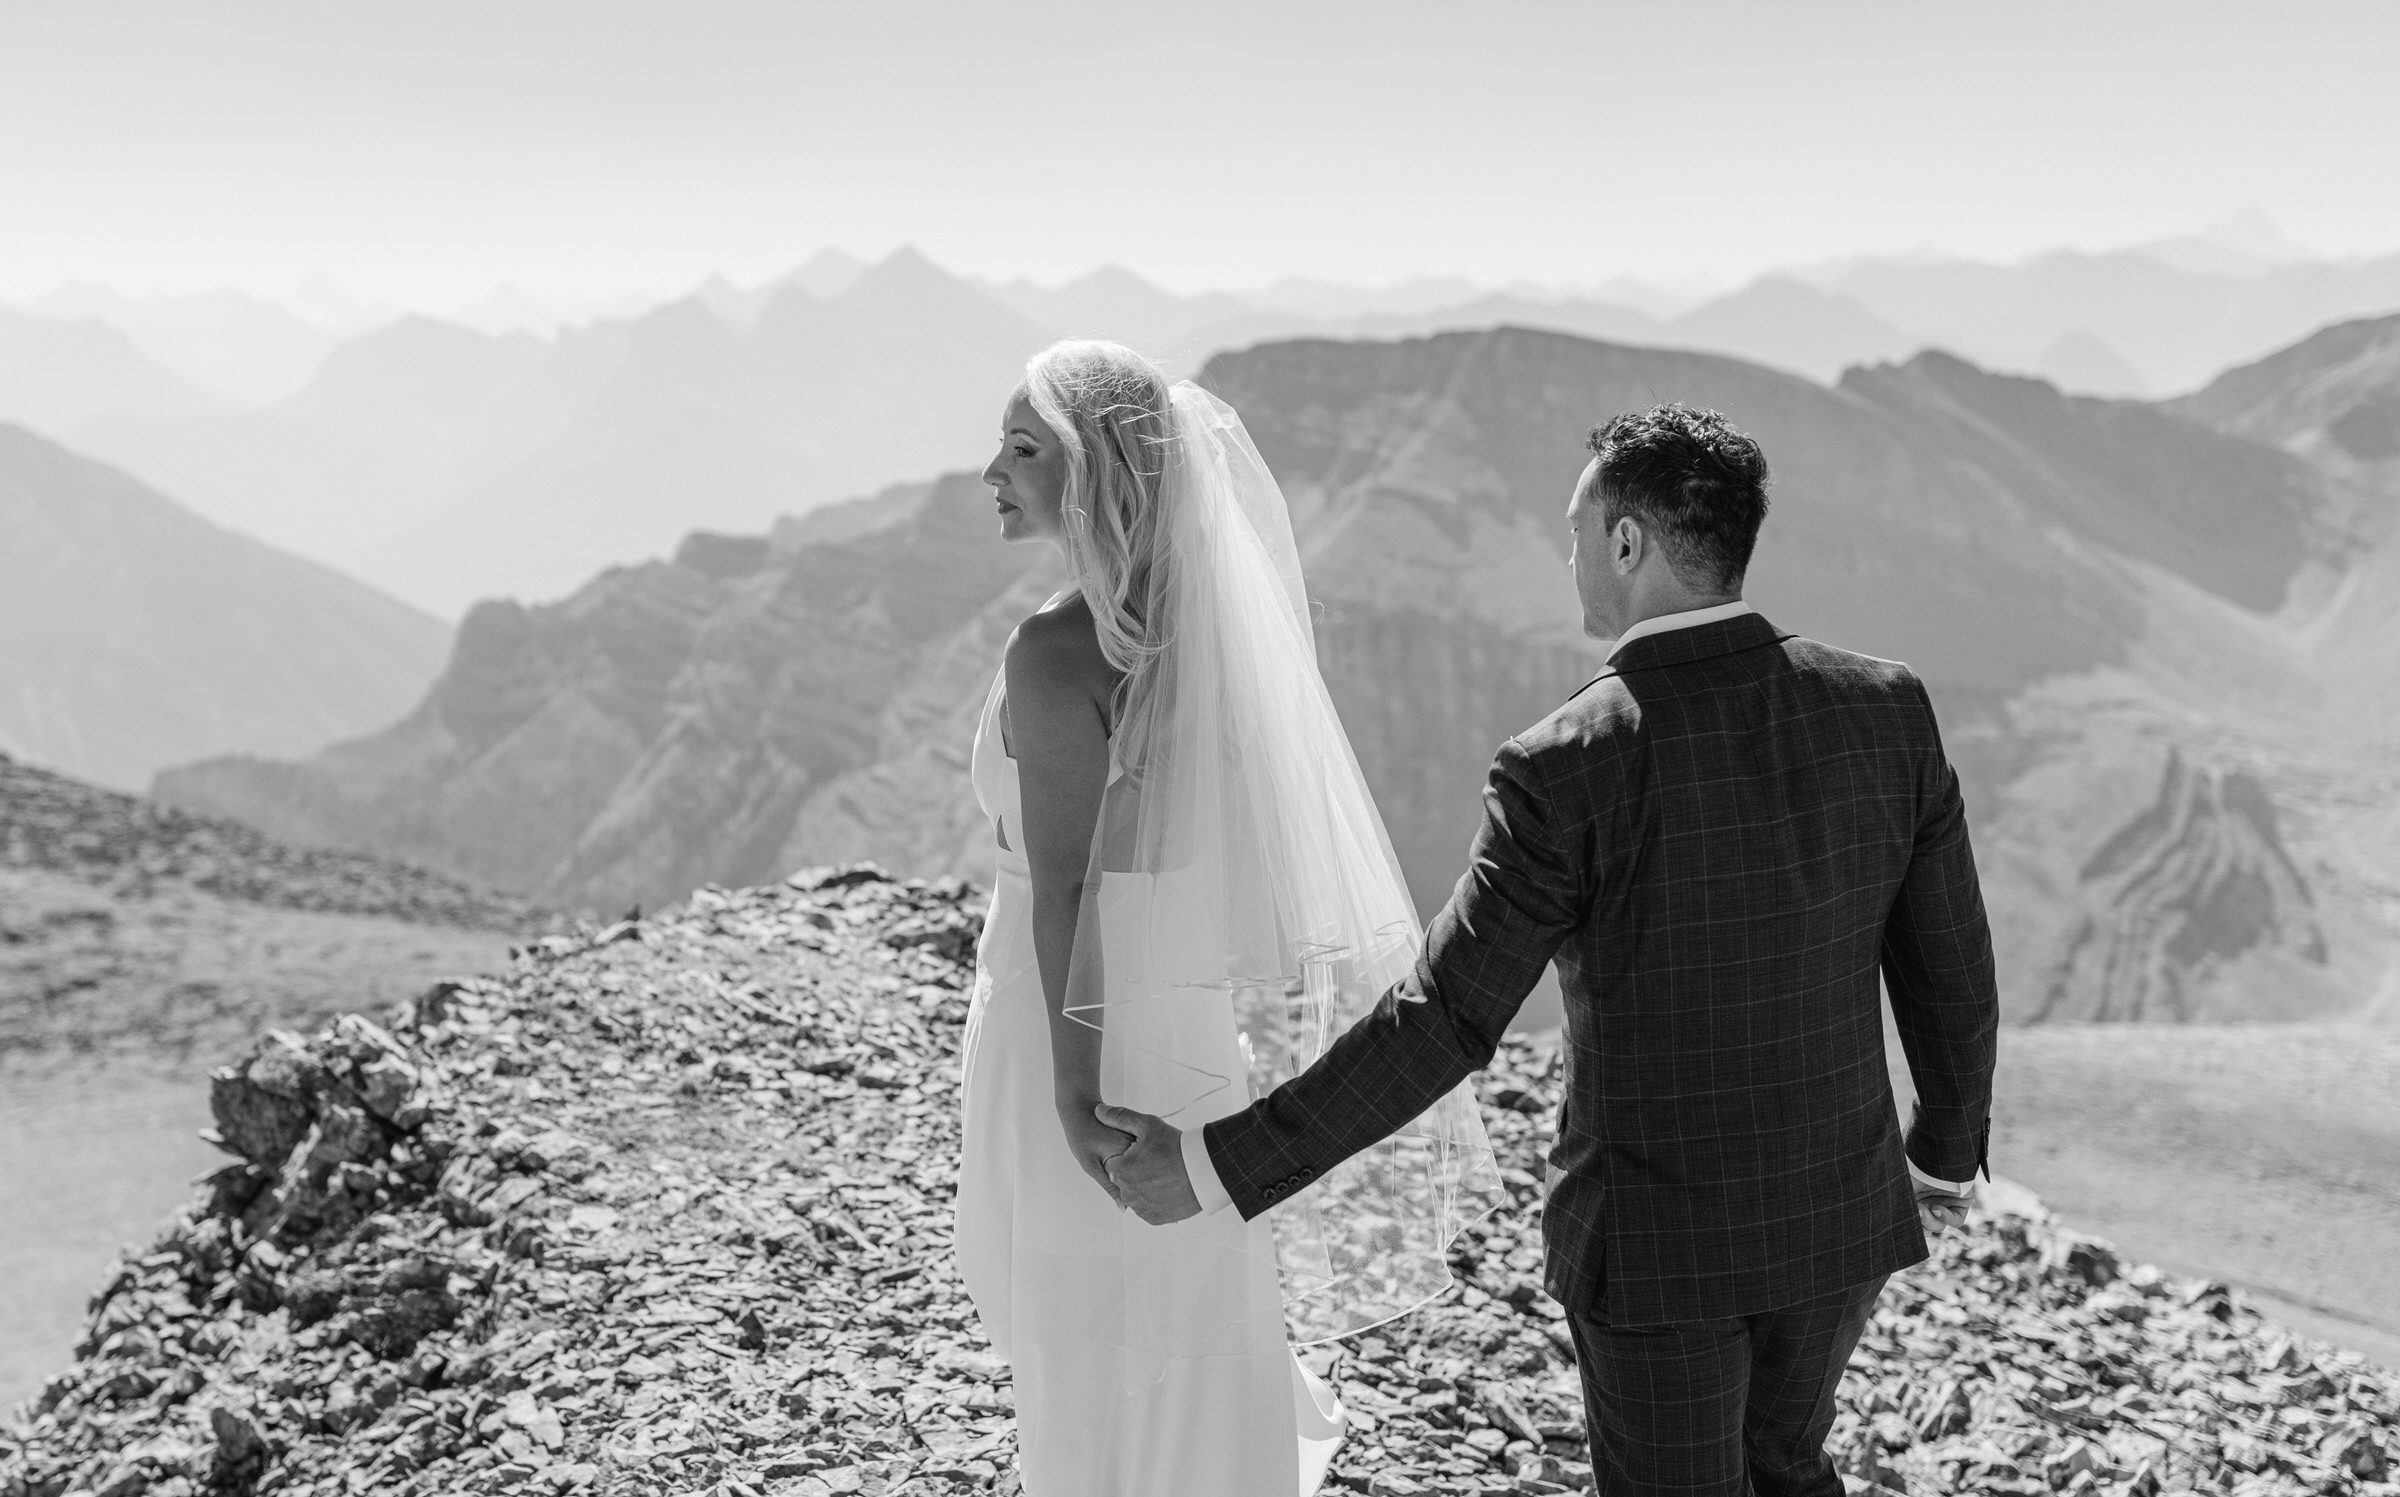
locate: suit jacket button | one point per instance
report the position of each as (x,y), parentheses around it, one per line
(1308,1174)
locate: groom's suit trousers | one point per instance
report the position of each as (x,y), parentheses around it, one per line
(1720,1408)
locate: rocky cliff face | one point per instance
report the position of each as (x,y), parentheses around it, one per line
(2089,587)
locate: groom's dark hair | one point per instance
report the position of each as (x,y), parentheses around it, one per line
(1689,476)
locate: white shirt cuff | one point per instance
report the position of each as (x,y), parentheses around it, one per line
(1954,1187)
(1205,1184)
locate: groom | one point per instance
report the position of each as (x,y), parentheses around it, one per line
(1722,841)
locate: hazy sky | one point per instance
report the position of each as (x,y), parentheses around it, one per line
(427,149)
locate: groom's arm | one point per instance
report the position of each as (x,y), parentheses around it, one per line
(1522,894)
(1937,968)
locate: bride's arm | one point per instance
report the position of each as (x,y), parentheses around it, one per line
(1058,689)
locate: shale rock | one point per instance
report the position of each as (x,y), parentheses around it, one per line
(666,1207)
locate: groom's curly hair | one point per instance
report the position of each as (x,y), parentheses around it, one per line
(1693,478)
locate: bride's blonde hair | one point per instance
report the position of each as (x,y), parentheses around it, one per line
(1110,409)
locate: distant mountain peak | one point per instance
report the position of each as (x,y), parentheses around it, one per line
(2251,232)
(2243,244)
(828,272)
(906,261)
(1115,278)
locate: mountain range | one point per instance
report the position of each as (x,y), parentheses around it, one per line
(2159,638)
(446,463)
(449,465)
(135,634)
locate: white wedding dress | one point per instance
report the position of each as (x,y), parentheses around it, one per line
(1047,1256)
(1268,915)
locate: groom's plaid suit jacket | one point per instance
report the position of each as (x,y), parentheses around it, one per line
(1722,841)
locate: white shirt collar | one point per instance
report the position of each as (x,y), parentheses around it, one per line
(1689,618)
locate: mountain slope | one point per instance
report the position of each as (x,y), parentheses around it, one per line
(668,724)
(2333,397)
(135,634)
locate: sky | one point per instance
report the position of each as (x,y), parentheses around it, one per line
(426,150)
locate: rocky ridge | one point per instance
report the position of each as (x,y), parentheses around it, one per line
(135,934)
(665,1207)
(134,848)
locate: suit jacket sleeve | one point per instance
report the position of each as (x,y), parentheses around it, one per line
(1937,968)
(1522,894)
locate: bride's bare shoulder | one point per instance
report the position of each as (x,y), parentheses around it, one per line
(1056,653)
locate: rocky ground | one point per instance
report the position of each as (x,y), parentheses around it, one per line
(665,1207)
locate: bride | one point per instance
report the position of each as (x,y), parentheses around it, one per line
(1194,895)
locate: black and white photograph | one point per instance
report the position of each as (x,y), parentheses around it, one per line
(808,748)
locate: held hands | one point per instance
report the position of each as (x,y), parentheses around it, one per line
(1150,1178)
(1094,1144)
(1938,1210)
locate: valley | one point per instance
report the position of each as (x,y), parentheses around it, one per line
(2264,1155)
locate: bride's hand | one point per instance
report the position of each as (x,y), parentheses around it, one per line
(1092,1142)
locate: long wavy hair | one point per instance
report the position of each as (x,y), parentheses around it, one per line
(1110,408)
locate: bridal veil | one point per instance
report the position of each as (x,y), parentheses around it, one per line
(1241,876)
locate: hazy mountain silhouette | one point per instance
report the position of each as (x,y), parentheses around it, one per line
(57,374)
(446,463)
(392,424)
(2174,325)
(1312,297)
(2094,589)
(705,425)
(1786,325)
(133,633)
(2246,243)
(231,343)
(1113,302)
(827,273)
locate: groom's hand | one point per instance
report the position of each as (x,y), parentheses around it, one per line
(1150,1176)
(1940,1210)
(1092,1145)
